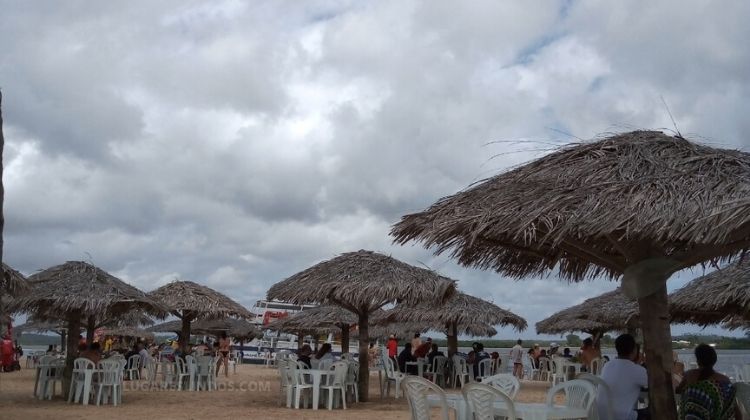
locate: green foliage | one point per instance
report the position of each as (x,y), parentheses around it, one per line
(573,340)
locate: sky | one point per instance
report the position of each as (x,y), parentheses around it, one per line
(236,143)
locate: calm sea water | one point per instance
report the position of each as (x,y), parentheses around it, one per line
(725,364)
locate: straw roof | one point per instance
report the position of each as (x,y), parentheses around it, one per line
(470,314)
(321,316)
(129,332)
(186,298)
(12,282)
(233,327)
(80,287)
(589,208)
(606,312)
(41,326)
(721,296)
(362,280)
(166,327)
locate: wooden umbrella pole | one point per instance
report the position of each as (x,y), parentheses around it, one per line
(657,338)
(345,338)
(364,369)
(185,334)
(90,329)
(74,324)
(452,339)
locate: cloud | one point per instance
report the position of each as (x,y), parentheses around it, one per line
(235,144)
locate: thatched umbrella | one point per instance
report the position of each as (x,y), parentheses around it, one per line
(77,290)
(641,205)
(596,316)
(12,282)
(166,327)
(460,314)
(363,282)
(236,328)
(129,332)
(57,327)
(320,319)
(722,296)
(190,301)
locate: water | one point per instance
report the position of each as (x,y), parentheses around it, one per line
(725,363)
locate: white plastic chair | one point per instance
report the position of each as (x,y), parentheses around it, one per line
(481,399)
(545,369)
(150,366)
(743,398)
(437,371)
(336,383)
(560,370)
(532,368)
(182,373)
(78,379)
(392,375)
(505,382)
(578,394)
(51,372)
(286,373)
(109,382)
(133,369)
(191,365)
(602,393)
(205,373)
(484,368)
(300,386)
(417,389)
(352,377)
(595,367)
(460,371)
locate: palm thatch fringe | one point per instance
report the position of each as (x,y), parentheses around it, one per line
(722,296)
(129,332)
(187,297)
(587,208)
(79,287)
(235,328)
(362,279)
(461,309)
(12,282)
(607,312)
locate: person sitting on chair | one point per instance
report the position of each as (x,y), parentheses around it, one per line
(706,394)
(625,380)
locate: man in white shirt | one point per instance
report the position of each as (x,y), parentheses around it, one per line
(516,357)
(625,380)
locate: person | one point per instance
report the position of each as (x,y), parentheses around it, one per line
(566,353)
(392,346)
(416,342)
(304,353)
(324,353)
(588,352)
(434,351)
(224,346)
(553,348)
(51,351)
(93,353)
(536,351)
(706,394)
(624,379)
(372,355)
(82,340)
(516,357)
(108,344)
(143,353)
(201,348)
(423,349)
(404,357)
(678,370)
(479,355)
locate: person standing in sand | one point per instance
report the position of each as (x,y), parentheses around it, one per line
(415,342)
(223,354)
(516,357)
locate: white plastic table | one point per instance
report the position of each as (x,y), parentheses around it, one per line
(316,375)
(525,411)
(420,367)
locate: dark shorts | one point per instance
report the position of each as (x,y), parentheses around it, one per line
(224,353)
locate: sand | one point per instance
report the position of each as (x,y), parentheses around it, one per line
(258,398)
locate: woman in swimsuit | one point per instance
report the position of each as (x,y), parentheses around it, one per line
(223,354)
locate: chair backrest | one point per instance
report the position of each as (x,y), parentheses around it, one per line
(390,368)
(46,360)
(459,364)
(481,399)
(110,372)
(578,393)
(505,382)
(438,364)
(545,365)
(325,364)
(180,365)
(298,364)
(596,365)
(417,390)
(603,395)
(203,364)
(353,372)
(340,370)
(82,363)
(484,368)
(134,361)
(743,398)
(505,364)
(560,366)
